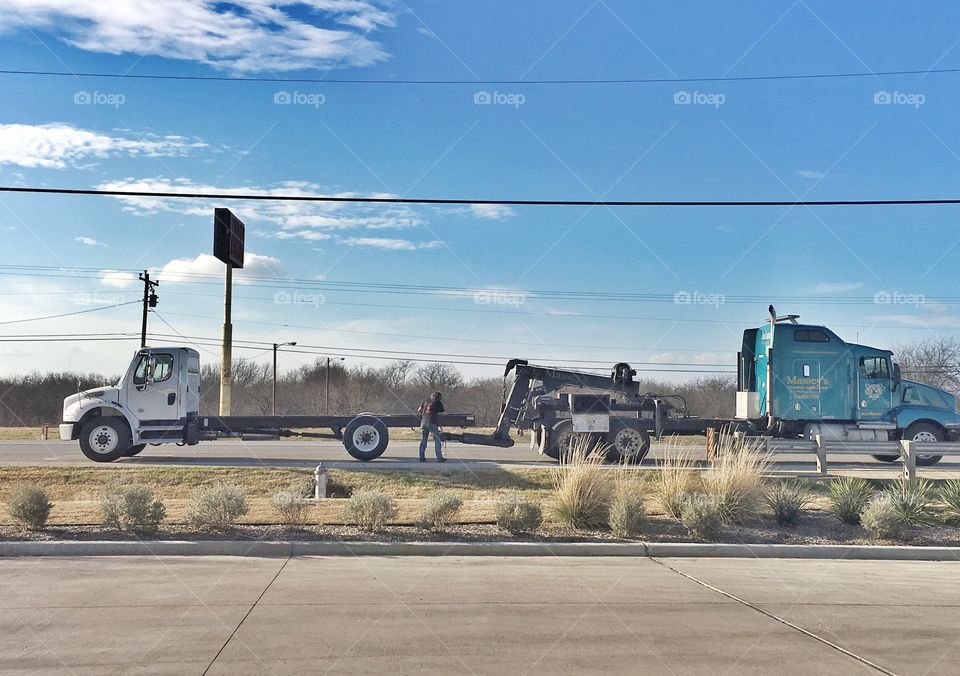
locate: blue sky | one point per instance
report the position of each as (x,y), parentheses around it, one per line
(816,139)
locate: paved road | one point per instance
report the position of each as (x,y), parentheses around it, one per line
(477,615)
(400,454)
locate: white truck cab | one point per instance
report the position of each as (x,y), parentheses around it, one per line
(150,404)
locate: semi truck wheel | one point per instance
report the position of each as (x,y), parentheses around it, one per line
(921,431)
(133,450)
(628,444)
(562,440)
(105,439)
(366,437)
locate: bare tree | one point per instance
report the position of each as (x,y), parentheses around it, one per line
(438,376)
(935,361)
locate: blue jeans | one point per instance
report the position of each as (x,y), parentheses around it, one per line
(425,432)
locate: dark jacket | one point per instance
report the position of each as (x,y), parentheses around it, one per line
(429,411)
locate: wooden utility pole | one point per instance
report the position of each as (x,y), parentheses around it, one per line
(226,356)
(149,301)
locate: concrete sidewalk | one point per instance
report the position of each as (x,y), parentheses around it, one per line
(477,615)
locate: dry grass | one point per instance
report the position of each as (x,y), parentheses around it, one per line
(736,480)
(583,487)
(676,479)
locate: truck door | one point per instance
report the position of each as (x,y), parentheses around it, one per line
(190,385)
(156,400)
(873,387)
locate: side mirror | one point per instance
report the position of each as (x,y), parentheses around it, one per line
(897,377)
(151,367)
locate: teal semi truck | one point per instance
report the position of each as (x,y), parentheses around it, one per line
(802,380)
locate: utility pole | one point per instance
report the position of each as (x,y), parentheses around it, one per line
(149,301)
(226,354)
(328,382)
(275,346)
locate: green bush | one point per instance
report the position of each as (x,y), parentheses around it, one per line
(29,506)
(216,507)
(881,518)
(627,513)
(913,500)
(131,508)
(369,510)
(702,516)
(848,497)
(441,511)
(517,515)
(291,505)
(949,495)
(787,499)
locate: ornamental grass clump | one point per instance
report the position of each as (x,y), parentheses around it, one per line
(735,479)
(583,487)
(848,497)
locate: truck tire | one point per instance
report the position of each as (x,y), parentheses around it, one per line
(561,440)
(366,437)
(922,431)
(105,439)
(629,443)
(133,450)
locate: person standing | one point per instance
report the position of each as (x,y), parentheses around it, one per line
(429,412)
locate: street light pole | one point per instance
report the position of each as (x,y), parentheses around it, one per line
(275,346)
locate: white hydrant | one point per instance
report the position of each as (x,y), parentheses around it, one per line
(320,482)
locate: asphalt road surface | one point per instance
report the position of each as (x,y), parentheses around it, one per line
(403,454)
(448,615)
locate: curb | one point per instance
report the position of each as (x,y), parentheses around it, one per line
(635,549)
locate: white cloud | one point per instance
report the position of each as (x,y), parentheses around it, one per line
(390,244)
(118,280)
(205,265)
(88,241)
(57,146)
(492,212)
(242,36)
(836,287)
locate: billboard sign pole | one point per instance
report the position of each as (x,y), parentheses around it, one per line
(228,246)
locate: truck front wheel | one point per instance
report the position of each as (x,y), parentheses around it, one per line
(366,437)
(105,439)
(921,432)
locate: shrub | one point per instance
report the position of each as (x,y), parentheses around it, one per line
(949,495)
(848,497)
(517,515)
(441,510)
(291,505)
(131,508)
(627,512)
(29,506)
(583,488)
(701,514)
(787,499)
(882,518)
(913,500)
(369,510)
(217,506)
(736,480)
(674,482)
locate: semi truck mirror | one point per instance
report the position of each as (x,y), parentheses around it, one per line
(897,377)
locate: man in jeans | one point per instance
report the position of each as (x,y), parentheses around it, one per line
(429,411)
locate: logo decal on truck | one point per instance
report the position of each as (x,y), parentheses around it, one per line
(873,391)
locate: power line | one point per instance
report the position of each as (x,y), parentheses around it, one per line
(265,197)
(577,81)
(67,314)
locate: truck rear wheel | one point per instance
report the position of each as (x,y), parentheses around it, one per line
(628,443)
(105,439)
(366,437)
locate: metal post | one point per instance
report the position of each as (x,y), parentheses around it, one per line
(226,356)
(275,346)
(328,386)
(909,460)
(821,456)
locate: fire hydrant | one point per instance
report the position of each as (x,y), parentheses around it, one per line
(320,482)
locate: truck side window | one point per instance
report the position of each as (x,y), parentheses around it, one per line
(874,367)
(161,371)
(193,364)
(140,374)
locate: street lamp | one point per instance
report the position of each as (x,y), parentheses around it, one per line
(275,346)
(328,381)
